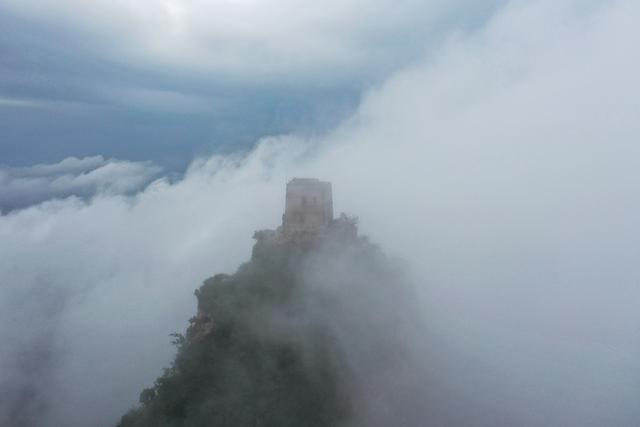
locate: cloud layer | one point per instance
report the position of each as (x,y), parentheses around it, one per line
(257,41)
(22,187)
(504,170)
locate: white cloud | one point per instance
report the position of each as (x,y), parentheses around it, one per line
(21,187)
(504,170)
(99,285)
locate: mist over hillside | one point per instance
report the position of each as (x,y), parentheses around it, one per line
(318,333)
(501,165)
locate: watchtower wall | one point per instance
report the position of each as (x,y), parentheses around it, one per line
(308,207)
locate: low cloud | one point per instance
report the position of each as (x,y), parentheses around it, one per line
(504,171)
(84,178)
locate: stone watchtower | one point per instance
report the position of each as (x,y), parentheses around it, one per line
(308,217)
(308,207)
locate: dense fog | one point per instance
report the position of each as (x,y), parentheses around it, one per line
(503,169)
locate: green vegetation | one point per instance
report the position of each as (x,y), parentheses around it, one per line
(263,349)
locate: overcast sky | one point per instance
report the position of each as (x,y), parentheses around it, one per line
(168,80)
(494,148)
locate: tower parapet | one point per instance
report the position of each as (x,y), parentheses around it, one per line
(308,207)
(308,214)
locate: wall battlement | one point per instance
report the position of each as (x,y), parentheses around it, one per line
(308,206)
(308,215)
